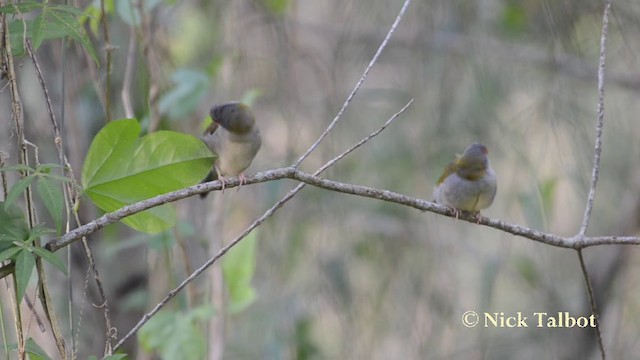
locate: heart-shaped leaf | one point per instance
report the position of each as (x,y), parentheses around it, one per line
(121,169)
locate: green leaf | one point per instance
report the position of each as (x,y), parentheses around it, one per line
(35,351)
(50,258)
(36,232)
(10,253)
(547,195)
(277,6)
(25,262)
(175,335)
(16,32)
(51,195)
(69,24)
(94,15)
(23,7)
(537,204)
(121,169)
(190,88)
(250,96)
(37,30)
(238,267)
(17,189)
(527,270)
(115,357)
(68,9)
(514,19)
(48,166)
(19,167)
(130,14)
(13,226)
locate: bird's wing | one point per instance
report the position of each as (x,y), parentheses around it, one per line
(450,169)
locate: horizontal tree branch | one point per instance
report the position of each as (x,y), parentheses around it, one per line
(575,242)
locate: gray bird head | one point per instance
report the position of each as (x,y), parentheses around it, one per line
(235,117)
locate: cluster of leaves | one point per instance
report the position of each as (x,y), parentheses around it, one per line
(119,169)
(53,22)
(17,239)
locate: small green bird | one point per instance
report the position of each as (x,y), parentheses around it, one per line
(468,183)
(235,138)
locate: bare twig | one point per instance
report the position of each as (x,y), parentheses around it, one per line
(125,94)
(108,48)
(17,114)
(361,142)
(574,242)
(592,303)
(595,171)
(43,85)
(374,59)
(600,122)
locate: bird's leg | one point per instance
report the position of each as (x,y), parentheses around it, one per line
(243,179)
(220,177)
(478,217)
(456,212)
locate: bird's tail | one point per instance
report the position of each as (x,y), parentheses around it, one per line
(213,175)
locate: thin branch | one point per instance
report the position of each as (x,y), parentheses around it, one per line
(592,302)
(108,48)
(600,122)
(374,59)
(17,114)
(56,130)
(576,242)
(361,142)
(595,172)
(125,93)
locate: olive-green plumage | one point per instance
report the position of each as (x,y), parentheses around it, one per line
(468,183)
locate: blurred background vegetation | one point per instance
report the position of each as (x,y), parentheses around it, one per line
(340,277)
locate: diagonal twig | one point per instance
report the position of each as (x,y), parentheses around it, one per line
(374,59)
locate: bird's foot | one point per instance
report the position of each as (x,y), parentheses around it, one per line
(477,216)
(221,178)
(243,179)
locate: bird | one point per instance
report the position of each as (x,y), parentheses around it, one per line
(468,183)
(235,138)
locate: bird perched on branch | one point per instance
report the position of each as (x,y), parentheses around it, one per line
(468,183)
(235,138)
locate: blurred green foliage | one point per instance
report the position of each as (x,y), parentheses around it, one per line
(335,276)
